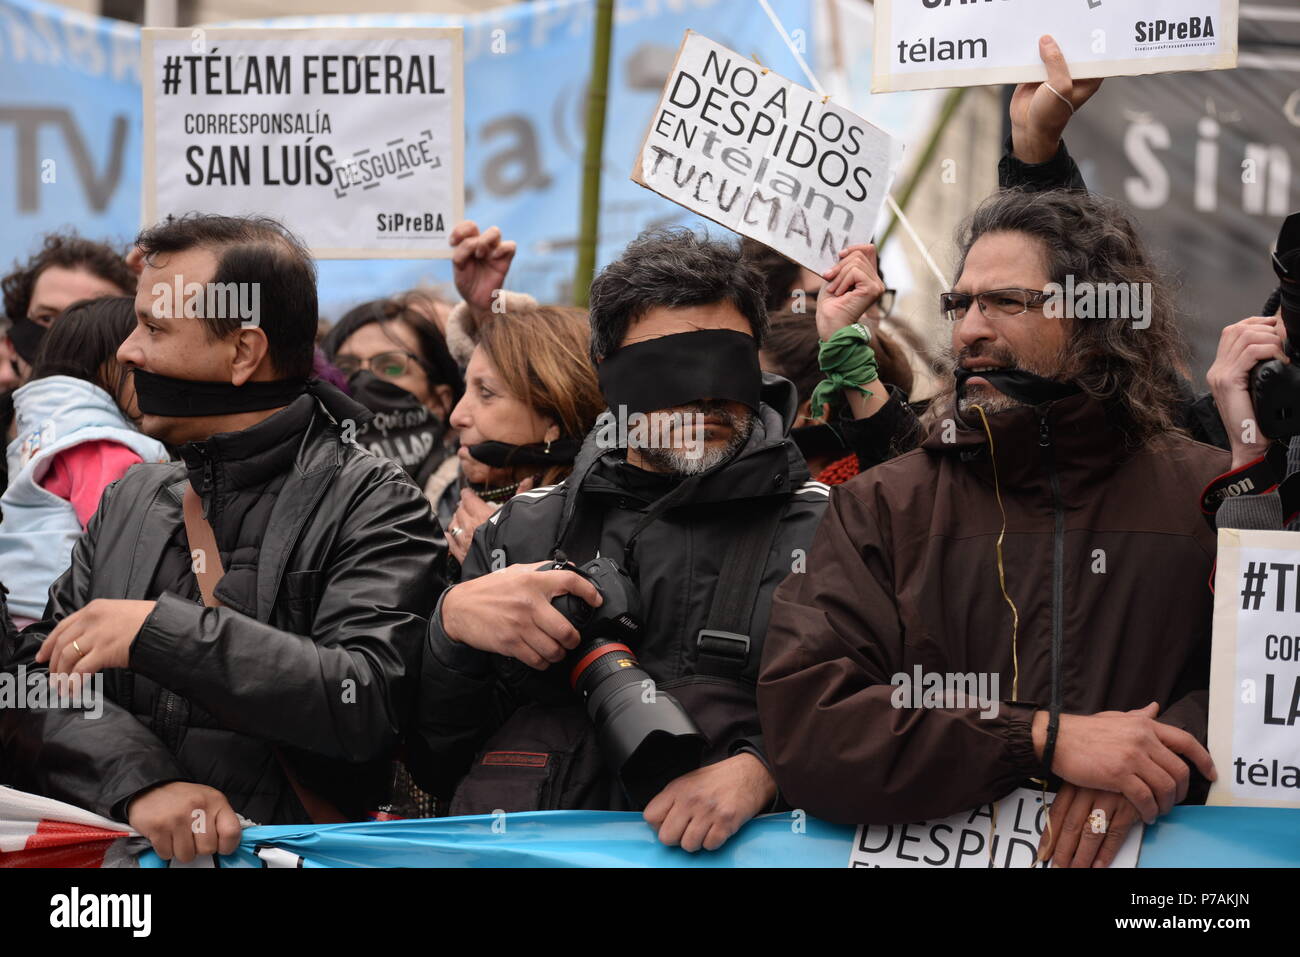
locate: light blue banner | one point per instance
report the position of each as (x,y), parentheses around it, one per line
(1187,837)
(69,126)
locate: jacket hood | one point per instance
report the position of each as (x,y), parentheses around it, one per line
(42,399)
(782,397)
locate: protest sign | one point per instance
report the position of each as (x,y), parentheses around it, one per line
(1255,670)
(354,138)
(998,835)
(923,44)
(764,157)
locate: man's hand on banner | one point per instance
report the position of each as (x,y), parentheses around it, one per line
(479,263)
(1039,116)
(852,286)
(1126,751)
(1072,840)
(183,820)
(94,638)
(705,807)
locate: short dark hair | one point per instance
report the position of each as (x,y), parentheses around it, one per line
(68,251)
(253,249)
(435,358)
(673,268)
(83,344)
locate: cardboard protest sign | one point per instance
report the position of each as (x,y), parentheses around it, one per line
(765,157)
(353,137)
(922,44)
(965,839)
(1255,670)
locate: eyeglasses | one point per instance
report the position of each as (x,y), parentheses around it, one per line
(994,304)
(386,365)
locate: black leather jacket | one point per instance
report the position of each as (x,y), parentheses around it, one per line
(324,671)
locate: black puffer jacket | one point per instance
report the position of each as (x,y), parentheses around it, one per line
(467,695)
(321,665)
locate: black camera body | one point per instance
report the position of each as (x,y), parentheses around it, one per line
(1275,385)
(644,734)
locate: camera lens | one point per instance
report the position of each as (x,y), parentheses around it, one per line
(597,660)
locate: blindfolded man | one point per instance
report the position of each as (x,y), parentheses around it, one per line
(690,484)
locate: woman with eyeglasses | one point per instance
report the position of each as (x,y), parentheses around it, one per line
(397,365)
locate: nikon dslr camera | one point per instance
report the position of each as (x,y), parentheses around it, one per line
(644,735)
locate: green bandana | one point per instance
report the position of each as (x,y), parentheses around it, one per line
(849,363)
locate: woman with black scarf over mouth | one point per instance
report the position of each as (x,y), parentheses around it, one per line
(531,395)
(398,366)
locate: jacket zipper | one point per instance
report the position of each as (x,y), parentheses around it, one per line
(170,736)
(1058,561)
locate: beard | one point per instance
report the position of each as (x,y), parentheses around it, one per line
(678,458)
(988,397)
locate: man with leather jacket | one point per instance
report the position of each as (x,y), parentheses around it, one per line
(269,667)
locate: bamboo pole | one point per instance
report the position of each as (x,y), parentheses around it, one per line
(597,93)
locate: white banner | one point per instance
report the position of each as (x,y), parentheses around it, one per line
(1255,670)
(1004,834)
(764,157)
(923,44)
(353,137)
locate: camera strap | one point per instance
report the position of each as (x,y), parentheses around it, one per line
(723,644)
(1266,474)
(203,540)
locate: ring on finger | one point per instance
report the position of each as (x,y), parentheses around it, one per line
(1097,821)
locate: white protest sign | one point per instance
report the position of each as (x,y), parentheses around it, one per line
(965,839)
(764,157)
(353,137)
(923,44)
(1255,670)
